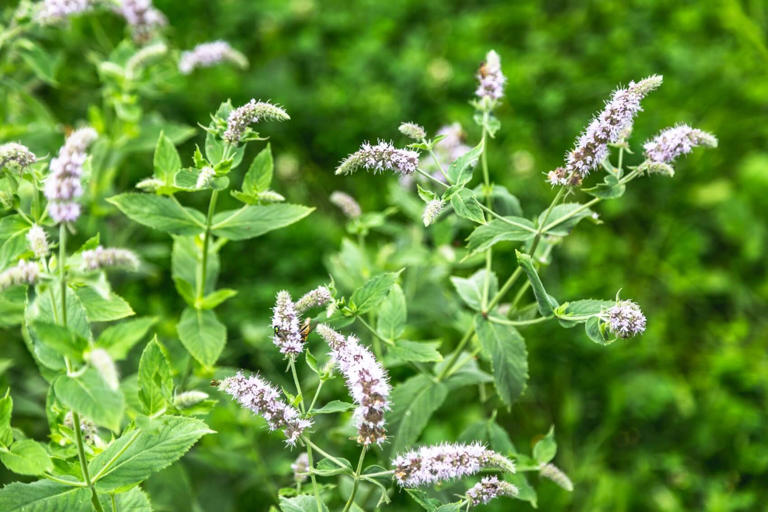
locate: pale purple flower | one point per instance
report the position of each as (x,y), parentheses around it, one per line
(367,382)
(52,11)
(380,157)
(99,258)
(87,427)
(491,79)
(205,55)
(23,272)
(432,210)
(412,131)
(250,113)
(63,187)
(142,16)
(432,464)
(38,241)
(143,57)
(552,472)
(676,141)
(263,398)
(16,154)
(189,398)
(346,204)
(489,488)
(625,319)
(300,467)
(615,119)
(287,326)
(316,298)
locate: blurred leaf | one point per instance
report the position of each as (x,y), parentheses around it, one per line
(392,314)
(44,496)
(118,339)
(89,395)
(159,213)
(546,448)
(471,289)
(413,403)
(254,220)
(515,229)
(202,334)
(103,305)
(26,457)
(373,292)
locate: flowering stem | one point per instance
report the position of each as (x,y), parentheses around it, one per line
(357,479)
(317,394)
(83,463)
(62,276)
(487,194)
(430,177)
(437,161)
(292,366)
(504,321)
(456,353)
(312,476)
(206,242)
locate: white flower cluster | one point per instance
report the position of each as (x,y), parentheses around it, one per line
(432,210)
(38,241)
(25,272)
(52,11)
(286,319)
(63,187)
(252,112)
(412,131)
(380,157)
(676,141)
(346,204)
(16,154)
(142,16)
(552,472)
(98,258)
(367,382)
(625,319)
(205,55)
(489,488)
(491,79)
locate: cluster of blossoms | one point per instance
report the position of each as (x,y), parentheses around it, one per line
(87,427)
(607,128)
(209,54)
(552,472)
(625,319)
(432,464)
(286,318)
(432,210)
(98,258)
(252,112)
(189,398)
(143,57)
(38,241)
(346,204)
(366,380)
(25,272)
(52,11)
(63,187)
(676,141)
(491,79)
(205,178)
(16,154)
(142,16)
(380,157)
(300,467)
(412,131)
(263,398)
(489,488)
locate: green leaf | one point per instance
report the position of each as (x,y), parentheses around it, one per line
(585,307)
(26,457)
(563,218)
(333,407)
(466,206)
(202,335)
(161,213)
(118,339)
(132,501)
(186,254)
(595,332)
(490,433)
(155,379)
(508,355)
(449,507)
(525,491)
(471,289)
(515,229)
(611,188)
(405,351)
(43,64)
(89,395)
(392,314)
(103,305)
(166,160)
(545,301)
(254,220)
(303,503)
(373,292)
(212,300)
(44,496)
(460,171)
(468,375)
(259,175)
(413,403)
(546,448)
(6,408)
(60,339)
(136,454)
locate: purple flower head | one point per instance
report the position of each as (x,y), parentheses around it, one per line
(676,141)
(625,319)
(607,128)
(316,298)
(252,112)
(437,463)
(300,468)
(99,258)
(367,381)
(16,154)
(287,326)
(346,204)
(489,488)
(52,11)
(25,272)
(380,157)
(62,187)
(205,55)
(491,79)
(142,16)
(263,398)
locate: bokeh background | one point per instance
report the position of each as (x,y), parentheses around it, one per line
(674,420)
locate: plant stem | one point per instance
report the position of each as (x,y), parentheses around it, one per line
(487,194)
(456,353)
(62,275)
(296,383)
(357,479)
(83,462)
(430,177)
(317,394)
(311,463)
(206,242)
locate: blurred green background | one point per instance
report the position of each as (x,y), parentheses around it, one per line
(674,420)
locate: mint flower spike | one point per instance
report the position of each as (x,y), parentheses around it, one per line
(552,472)
(316,298)
(250,113)
(412,131)
(382,156)
(367,381)
(489,488)
(287,326)
(16,154)
(673,142)
(432,211)
(38,241)
(346,203)
(53,11)
(625,319)
(263,399)
(142,17)
(300,468)
(63,187)
(607,128)
(100,258)
(491,79)
(209,54)
(24,272)
(429,465)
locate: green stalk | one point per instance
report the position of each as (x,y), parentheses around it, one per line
(62,276)
(292,365)
(206,243)
(357,479)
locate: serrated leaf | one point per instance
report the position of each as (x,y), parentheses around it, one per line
(103,305)
(460,171)
(60,339)
(26,457)
(466,206)
(259,175)
(334,406)
(44,496)
(132,501)
(509,357)
(545,302)
(516,229)
(610,188)
(134,456)
(202,334)
(212,300)
(563,218)
(471,289)
(546,448)
(303,503)
(89,395)
(390,322)
(155,378)
(118,339)
(372,293)
(166,161)
(413,403)
(161,213)
(254,220)
(405,351)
